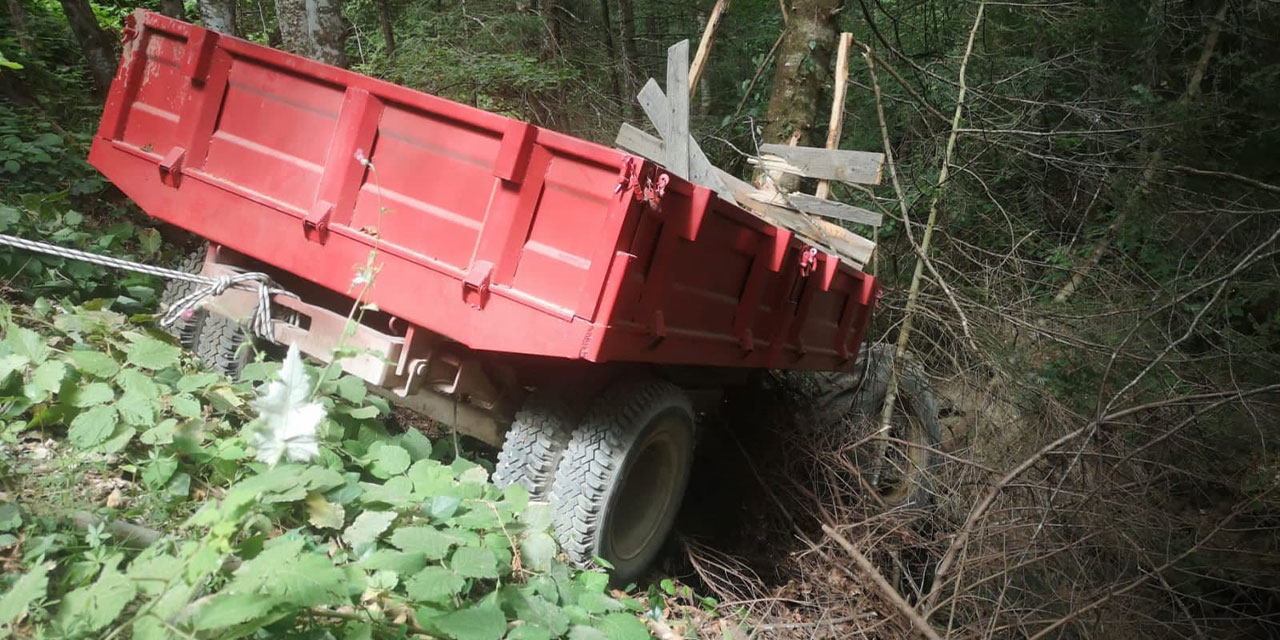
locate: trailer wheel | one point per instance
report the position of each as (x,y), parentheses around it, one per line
(900,474)
(533,445)
(621,479)
(221,345)
(186,330)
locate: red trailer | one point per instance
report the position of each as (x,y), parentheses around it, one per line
(555,297)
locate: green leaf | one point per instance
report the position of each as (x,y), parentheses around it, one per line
(352,389)
(230,609)
(538,516)
(137,409)
(389,460)
(91,608)
(91,394)
(156,474)
(597,602)
(443,507)
(434,584)
(94,363)
(401,562)
(528,631)
(45,380)
(27,343)
(485,622)
(149,241)
(432,543)
(285,571)
(149,353)
(324,514)
(475,562)
(91,428)
(194,381)
(11,363)
(118,439)
(623,626)
(138,383)
(530,607)
(10,516)
(29,588)
(418,445)
(368,526)
(186,405)
(538,550)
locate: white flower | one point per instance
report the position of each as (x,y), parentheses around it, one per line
(287,418)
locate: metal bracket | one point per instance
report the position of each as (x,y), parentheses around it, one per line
(475,287)
(171,167)
(315,227)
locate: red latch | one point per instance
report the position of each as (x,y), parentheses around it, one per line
(315,227)
(808,260)
(171,166)
(475,287)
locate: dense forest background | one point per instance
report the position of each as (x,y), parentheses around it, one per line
(1082,248)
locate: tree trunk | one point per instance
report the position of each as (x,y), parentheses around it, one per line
(388,34)
(327,31)
(630,56)
(612,48)
(219,15)
(173,9)
(97,46)
(804,62)
(292,17)
(551,37)
(18,18)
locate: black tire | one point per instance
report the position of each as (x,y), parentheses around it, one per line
(186,330)
(621,479)
(902,475)
(532,447)
(221,345)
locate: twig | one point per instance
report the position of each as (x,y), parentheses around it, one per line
(917,621)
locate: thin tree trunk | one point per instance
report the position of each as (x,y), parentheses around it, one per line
(803,70)
(1103,244)
(551,36)
(327,31)
(18,18)
(630,55)
(607,28)
(96,45)
(291,15)
(174,9)
(219,15)
(388,34)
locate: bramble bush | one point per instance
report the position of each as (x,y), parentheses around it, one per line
(378,535)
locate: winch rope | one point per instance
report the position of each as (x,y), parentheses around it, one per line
(260,322)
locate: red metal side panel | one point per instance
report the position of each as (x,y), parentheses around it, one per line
(496,233)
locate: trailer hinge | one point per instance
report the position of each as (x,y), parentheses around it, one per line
(475,287)
(171,167)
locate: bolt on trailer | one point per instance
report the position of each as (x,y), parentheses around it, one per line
(574,305)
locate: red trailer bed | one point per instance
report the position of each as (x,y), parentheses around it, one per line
(495,233)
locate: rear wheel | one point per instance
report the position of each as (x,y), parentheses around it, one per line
(533,445)
(898,468)
(621,479)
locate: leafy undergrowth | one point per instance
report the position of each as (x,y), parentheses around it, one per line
(378,536)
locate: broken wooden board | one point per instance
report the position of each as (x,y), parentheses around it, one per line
(771,207)
(855,167)
(675,133)
(655,105)
(831,209)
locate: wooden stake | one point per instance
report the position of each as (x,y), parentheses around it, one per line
(704,46)
(676,135)
(837,105)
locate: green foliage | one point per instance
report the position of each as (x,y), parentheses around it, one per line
(386,526)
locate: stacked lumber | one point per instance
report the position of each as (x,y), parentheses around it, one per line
(676,150)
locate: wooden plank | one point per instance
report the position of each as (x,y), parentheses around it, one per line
(655,105)
(838,240)
(634,140)
(704,46)
(859,167)
(819,206)
(836,125)
(676,133)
